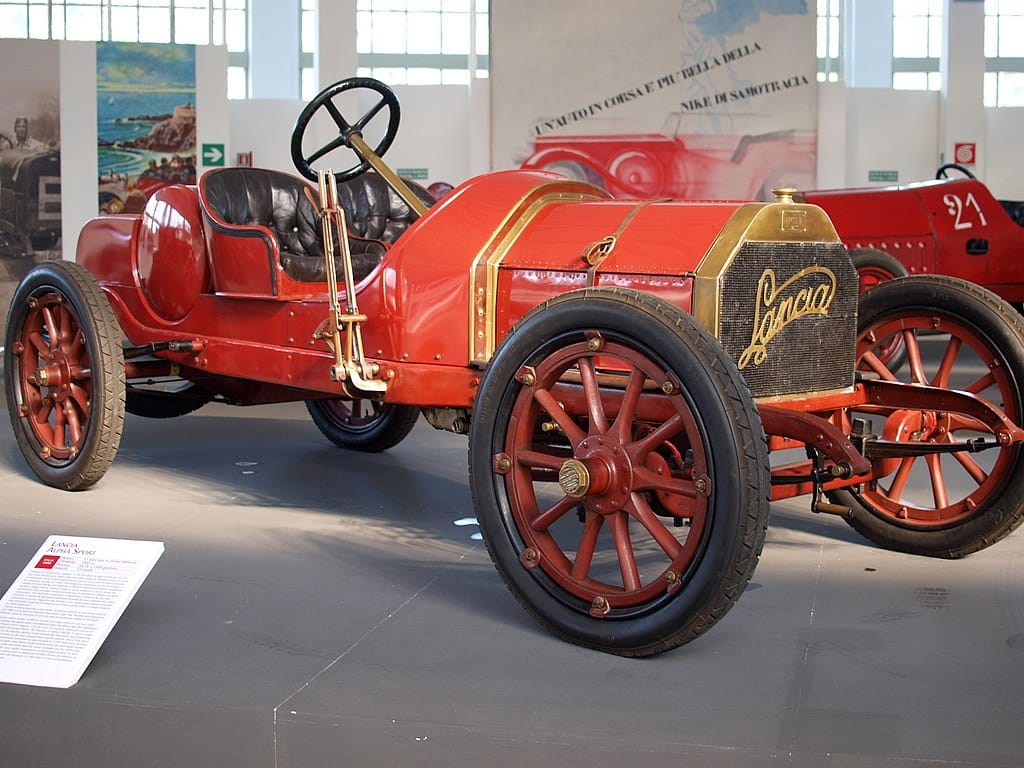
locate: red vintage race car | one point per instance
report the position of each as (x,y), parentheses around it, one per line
(952,225)
(623,368)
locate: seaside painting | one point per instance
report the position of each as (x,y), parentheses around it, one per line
(146,121)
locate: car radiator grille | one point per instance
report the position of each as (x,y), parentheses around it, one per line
(788,316)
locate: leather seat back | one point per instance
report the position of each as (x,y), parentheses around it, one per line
(273,207)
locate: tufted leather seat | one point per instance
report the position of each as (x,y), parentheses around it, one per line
(253,202)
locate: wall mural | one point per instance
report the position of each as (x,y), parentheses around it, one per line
(146,121)
(30,212)
(691,99)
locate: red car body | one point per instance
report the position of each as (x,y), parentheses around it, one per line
(946,227)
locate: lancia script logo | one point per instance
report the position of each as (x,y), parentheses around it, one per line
(809,292)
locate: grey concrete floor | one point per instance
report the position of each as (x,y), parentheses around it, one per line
(320,608)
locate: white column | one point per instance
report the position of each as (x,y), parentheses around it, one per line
(867,40)
(274,46)
(962,103)
(336,57)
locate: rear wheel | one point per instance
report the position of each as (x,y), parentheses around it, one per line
(65,375)
(957,336)
(363,425)
(619,472)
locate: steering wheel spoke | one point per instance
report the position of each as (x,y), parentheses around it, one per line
(325,101)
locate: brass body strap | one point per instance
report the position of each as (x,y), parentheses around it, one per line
(595,253)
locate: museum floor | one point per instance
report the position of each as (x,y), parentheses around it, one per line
(317,608)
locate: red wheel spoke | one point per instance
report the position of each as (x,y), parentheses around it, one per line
(74,424)
(623,425)
(875,364)
(939,493)
(43,410)
(553,514)
(941,378)
(899,483)
(983,383)
(644,479)
(77,348)
(588,545)
(914,357)
(662,434)
(50,323)
(561,418)
(972,467)
(592,394)
(59,427)
(624,549)
(642,511)
(539,460)
(81,399)
(66,325)
(36,340)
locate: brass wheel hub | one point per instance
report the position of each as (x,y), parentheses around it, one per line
(600,475)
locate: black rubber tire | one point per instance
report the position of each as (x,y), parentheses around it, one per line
(384,427)
(725,421)
(95,399)
(158,404)
(998,509)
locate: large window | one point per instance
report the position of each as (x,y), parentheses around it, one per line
(916,44)
(829,40)
(1004,53)
(199,22)
(307,39)
(422,42)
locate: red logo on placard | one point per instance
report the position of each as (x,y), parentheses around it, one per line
(964,154)
(47,561)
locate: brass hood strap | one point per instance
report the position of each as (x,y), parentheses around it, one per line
(599,250)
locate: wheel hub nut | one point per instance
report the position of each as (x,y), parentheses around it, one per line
(574,479)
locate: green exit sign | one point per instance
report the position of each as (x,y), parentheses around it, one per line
(416,174)
(887,177)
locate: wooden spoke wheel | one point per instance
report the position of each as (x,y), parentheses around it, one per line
(956,336)
(619,472)
(65,375)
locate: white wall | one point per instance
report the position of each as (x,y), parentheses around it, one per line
(440,131)
(865,129)
(1003,164)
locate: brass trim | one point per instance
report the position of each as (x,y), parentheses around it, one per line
(393,179)
(782,221)
(483,272)
(599,250)
(772,399)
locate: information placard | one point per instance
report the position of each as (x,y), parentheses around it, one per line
(62,606)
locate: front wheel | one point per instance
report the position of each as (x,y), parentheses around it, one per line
(619,472)
(65,375)
(957,336)
(363,425)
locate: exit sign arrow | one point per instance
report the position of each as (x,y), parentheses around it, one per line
(213,154)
